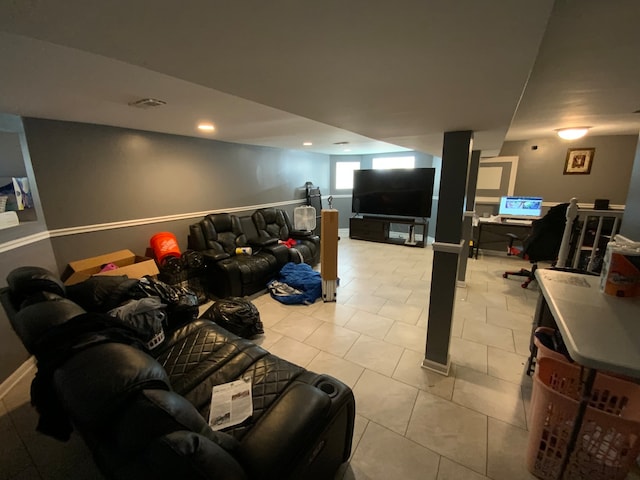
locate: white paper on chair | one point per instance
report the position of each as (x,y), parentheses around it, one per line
(231,404)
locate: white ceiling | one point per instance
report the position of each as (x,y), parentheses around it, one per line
(383,76)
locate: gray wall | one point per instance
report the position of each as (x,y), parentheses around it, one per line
(89,175)
(11,164)
(631,222)
(540,171)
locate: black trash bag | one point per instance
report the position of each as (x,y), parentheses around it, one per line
(238,315)
(146,317)
(182,304)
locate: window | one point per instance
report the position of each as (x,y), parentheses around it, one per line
(344,174)
(384,163)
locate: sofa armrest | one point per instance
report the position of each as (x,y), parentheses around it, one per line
(184,454)
(215,255)
(262,241)
(294,421)
(299,234)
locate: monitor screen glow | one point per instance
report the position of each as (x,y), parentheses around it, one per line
(526,207)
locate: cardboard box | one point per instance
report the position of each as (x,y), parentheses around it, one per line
(128,263)
(620,274)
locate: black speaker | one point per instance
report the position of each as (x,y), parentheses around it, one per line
(601,204)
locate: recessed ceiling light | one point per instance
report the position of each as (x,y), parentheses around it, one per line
(206,127)
(147,103)
(572,133)
(347,149)
(307,144)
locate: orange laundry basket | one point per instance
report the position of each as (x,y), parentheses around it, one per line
(164,244)
(609,437)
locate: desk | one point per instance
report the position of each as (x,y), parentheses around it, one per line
(600,332)
(495,233)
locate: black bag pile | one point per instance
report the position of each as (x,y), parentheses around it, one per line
(187,271)
(238,315)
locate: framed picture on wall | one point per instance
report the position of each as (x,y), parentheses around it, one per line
(579,161)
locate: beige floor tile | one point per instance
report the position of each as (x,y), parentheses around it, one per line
(347,372)
(415,283)
(267,339)
(375,354)
(525,306)
(384,400)
(332,338)
(385,455)
(402,312)
(366,302)
(271,313)
(489,335)
(407,336)
(297,325)
(489,395)
(468,354)
(334,313)
(509,319)
(369,324)
(294,351)
(507,366)
(470,311)
(451,430)
(507,452)
(418,299)
(522,341)
(450,470)
(395,294)
(410,370)
(487,299)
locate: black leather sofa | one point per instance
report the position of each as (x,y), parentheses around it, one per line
(229,274)
(275,223)
(142,413)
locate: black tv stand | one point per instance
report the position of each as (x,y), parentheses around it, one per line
(377,229)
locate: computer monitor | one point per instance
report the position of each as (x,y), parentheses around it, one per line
(520,207)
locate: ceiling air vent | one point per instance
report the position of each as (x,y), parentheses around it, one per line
(147,103)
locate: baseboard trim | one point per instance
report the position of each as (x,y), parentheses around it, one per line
(437,367)
(15,377)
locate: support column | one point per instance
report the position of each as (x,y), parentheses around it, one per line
(467,219)
(446,248)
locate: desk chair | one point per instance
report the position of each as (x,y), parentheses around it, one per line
(543,244)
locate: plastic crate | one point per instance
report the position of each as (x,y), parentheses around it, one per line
(609,437)
(545,352)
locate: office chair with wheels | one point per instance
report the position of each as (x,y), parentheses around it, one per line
(542,244)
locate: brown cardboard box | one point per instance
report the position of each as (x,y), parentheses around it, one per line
(128,264)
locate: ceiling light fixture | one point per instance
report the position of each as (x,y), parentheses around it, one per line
(307,144)
(206,127)
(572,133)
(147,103)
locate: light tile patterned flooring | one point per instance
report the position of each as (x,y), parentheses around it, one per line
(410,423)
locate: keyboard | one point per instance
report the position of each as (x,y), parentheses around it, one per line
(516,221)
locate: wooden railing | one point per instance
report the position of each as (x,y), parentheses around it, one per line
(580,222)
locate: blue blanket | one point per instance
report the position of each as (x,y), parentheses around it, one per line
(297,283)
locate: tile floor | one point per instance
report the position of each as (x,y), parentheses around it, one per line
(410,424)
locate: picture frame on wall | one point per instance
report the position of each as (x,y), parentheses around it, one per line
(579,161)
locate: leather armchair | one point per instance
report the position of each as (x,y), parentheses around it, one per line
(229,274)
(142,413)
(275,223)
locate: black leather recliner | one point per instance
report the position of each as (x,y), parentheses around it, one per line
(218,236)
(275,223)
(142,413)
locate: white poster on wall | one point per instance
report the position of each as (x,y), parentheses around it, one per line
(489,178)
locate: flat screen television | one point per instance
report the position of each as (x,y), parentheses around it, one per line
(520,207)
(394,192)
